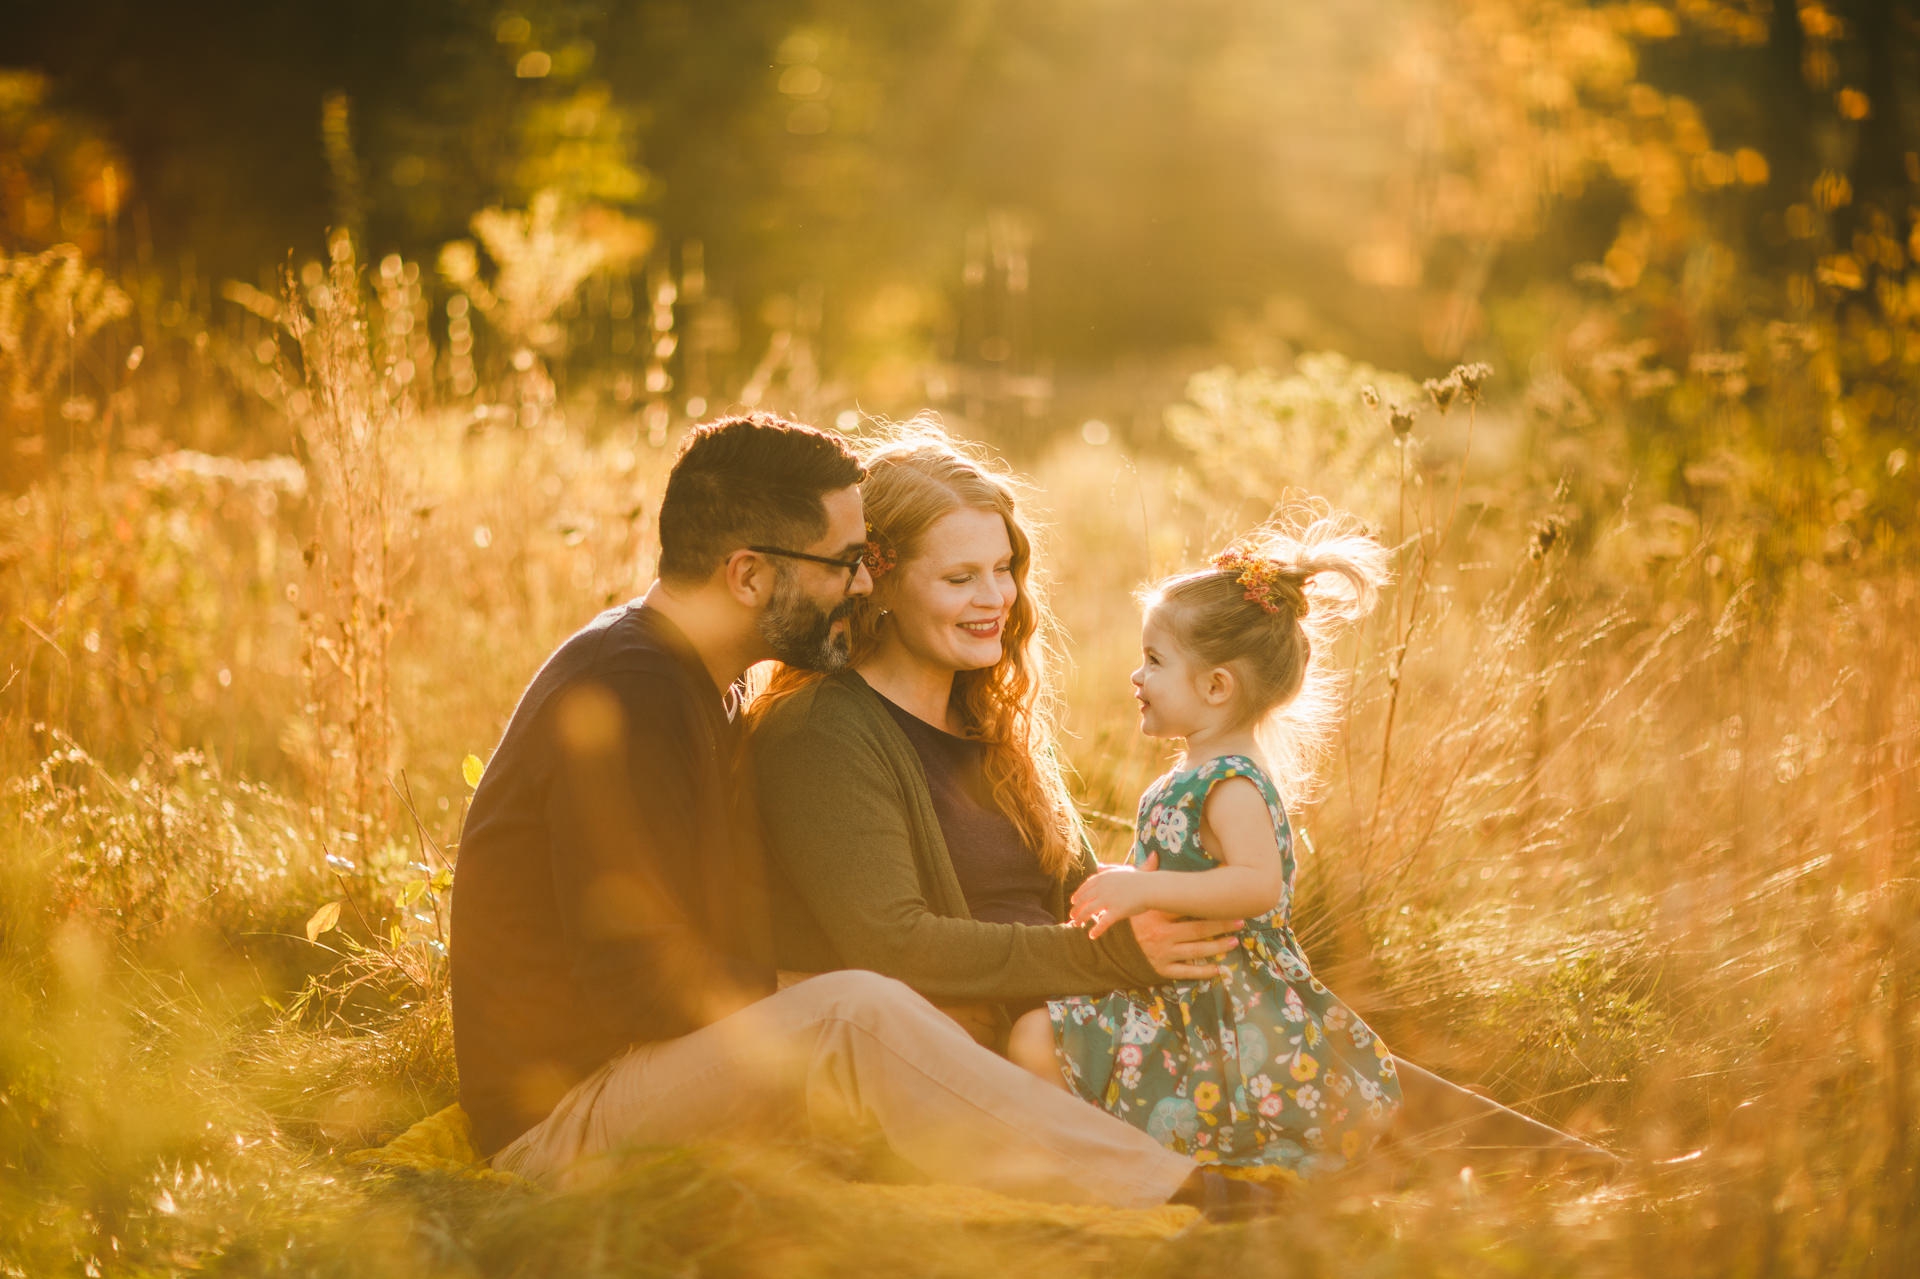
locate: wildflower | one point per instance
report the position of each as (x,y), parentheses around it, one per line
(1262,579)
(1442,390)
(1470,377)
(879,554)
(1369,396)
(1400,417)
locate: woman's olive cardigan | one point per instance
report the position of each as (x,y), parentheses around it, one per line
(861,874)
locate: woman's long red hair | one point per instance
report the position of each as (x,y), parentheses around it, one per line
(915,475)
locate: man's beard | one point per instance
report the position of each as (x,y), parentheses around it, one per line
(800,632)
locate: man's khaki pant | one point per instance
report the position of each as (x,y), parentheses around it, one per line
(862,1047)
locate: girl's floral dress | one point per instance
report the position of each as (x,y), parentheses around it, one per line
(1260,1065)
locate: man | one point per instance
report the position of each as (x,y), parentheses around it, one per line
(612,972)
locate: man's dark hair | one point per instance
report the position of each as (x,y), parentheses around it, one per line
(754,479)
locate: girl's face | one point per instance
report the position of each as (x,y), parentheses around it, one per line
(1169,685)
(949,604)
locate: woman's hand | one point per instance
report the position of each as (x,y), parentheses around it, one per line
(1105,899)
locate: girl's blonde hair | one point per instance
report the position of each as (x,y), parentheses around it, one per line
(1268,609)
(917,474)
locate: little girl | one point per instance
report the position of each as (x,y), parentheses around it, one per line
(1261,1064)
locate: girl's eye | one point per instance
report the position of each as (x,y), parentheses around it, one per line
(962,579)
(1004,568)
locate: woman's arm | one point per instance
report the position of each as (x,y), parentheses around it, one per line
(1236,828)
(836,823)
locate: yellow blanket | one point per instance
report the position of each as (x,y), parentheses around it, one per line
(443,1143)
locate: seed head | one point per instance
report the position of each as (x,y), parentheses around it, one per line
(1401,418)
(1369,396)
(1545,534)
(1442,390)
(1470,376)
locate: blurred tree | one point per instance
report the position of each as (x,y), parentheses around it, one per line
(1695,215)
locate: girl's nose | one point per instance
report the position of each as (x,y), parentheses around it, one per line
(1139,677)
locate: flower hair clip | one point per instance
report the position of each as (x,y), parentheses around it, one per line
(879,555)
(1263,580)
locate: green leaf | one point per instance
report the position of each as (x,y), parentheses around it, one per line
(471,768)
(323,920)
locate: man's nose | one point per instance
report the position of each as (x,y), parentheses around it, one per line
(862,583)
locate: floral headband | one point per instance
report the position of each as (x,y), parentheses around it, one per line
(1263,580)
(880,556)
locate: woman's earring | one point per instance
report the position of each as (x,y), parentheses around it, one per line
(885,612)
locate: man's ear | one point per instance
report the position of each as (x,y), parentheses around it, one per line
(1219,686)
(748,578)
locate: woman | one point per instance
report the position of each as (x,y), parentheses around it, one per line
(913,805)
(912,801)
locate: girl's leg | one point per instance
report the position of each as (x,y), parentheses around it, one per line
(1030,1047)
(1436,1113)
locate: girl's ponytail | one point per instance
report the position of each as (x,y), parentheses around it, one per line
(1270,608)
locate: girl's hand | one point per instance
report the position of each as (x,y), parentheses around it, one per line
(1108,897)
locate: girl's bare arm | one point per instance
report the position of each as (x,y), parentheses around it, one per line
(1238,830)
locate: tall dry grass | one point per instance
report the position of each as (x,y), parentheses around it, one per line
(1611,833)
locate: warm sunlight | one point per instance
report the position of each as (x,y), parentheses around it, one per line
(1503,417)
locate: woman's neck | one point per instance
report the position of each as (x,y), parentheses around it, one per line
(923,691)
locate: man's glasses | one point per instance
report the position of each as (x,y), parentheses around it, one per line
(852,566)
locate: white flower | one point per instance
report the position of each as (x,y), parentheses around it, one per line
(1308,1098)
(1139,1027)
